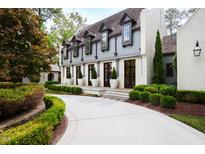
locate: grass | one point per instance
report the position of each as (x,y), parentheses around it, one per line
(197,122)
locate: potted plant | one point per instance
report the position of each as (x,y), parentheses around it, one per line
(114,80)
(94,79)
(81,81)
(69,79)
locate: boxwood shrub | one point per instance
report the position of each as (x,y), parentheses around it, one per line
(155,99)
(39,130)
(72,90)
(144,96)
(151,89)
(140,87)
(167,102)
(168,90)
(16,100)
(47,83)
(191,96)
(134,95)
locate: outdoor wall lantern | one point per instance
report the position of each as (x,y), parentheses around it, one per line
(197,49)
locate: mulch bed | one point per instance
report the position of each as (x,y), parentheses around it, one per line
(181,108)
(59,131)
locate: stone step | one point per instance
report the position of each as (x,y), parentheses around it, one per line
(116,93)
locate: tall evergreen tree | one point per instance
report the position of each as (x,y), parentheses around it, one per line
(158,76)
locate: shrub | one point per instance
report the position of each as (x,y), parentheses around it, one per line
(48,83)
(151,89)
(94,74)
(167,102)
(72,90)
(140,87)
(114,73)
(39,130)
(134,95)
(8,85)
(155,99)
(191,96)
(20,99)
(144,96)
(168,90)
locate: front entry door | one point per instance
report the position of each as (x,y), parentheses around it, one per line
(107,74)
(90,69)
(77,73)
(129,79)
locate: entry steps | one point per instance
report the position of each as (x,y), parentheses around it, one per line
(116,94)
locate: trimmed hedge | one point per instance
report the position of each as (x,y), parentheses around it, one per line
(144,96)
(8,85)
(168,90)
(134,95)
(20,99)
(151,89)
(140,87)
(155,99)
(72,90)
(39,130)
(48,83)
(191,96)
(167,102)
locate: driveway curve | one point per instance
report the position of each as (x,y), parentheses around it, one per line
(93,120)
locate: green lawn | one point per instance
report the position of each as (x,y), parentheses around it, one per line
(197,122)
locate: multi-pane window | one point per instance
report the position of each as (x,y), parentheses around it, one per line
(75,51)
(169,70)
(126,34)
(88,46)
(104,41)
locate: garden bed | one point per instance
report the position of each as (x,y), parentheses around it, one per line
(39,130)
(181,108)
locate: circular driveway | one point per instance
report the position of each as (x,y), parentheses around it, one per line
(93,120)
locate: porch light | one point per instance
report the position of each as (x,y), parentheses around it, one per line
(197,49)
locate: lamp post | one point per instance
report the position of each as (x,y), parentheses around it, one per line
(197,49)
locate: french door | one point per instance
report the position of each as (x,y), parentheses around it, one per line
(129,68)
(90,69)
(77,73)
(107,74)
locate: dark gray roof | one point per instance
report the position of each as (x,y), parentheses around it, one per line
(112,23)
(169,44)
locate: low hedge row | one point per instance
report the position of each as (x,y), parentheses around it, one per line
(48,83)
(73,90)
(39,130)
(16,100)
(7,85)
(158,88)
(191,96)
(155,99)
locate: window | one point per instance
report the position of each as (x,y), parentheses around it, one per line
(104,41)
(169,70)
(67,54)
(88,46)
(75,51)
(127,34)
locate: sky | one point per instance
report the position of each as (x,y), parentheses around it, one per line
(91,14)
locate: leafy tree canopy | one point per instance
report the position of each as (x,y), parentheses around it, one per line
(24,49)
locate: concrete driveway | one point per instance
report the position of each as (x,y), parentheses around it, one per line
(95,120)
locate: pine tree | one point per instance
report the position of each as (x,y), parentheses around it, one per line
(158,62)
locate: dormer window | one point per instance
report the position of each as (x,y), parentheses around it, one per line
(75,51)
(88,46)
(127,34)
(104,41)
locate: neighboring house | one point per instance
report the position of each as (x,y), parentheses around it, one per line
(125,40)
(53,75)
(191,42)
(169,51)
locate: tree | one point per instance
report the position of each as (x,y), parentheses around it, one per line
(174,17)
(114,73)
(64,27)
(175,63)
(94,74)
(47,13)
(24,50)
(158,76)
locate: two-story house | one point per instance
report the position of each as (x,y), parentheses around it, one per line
(124,40)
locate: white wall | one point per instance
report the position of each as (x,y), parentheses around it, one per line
(151,21)
(191,69)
